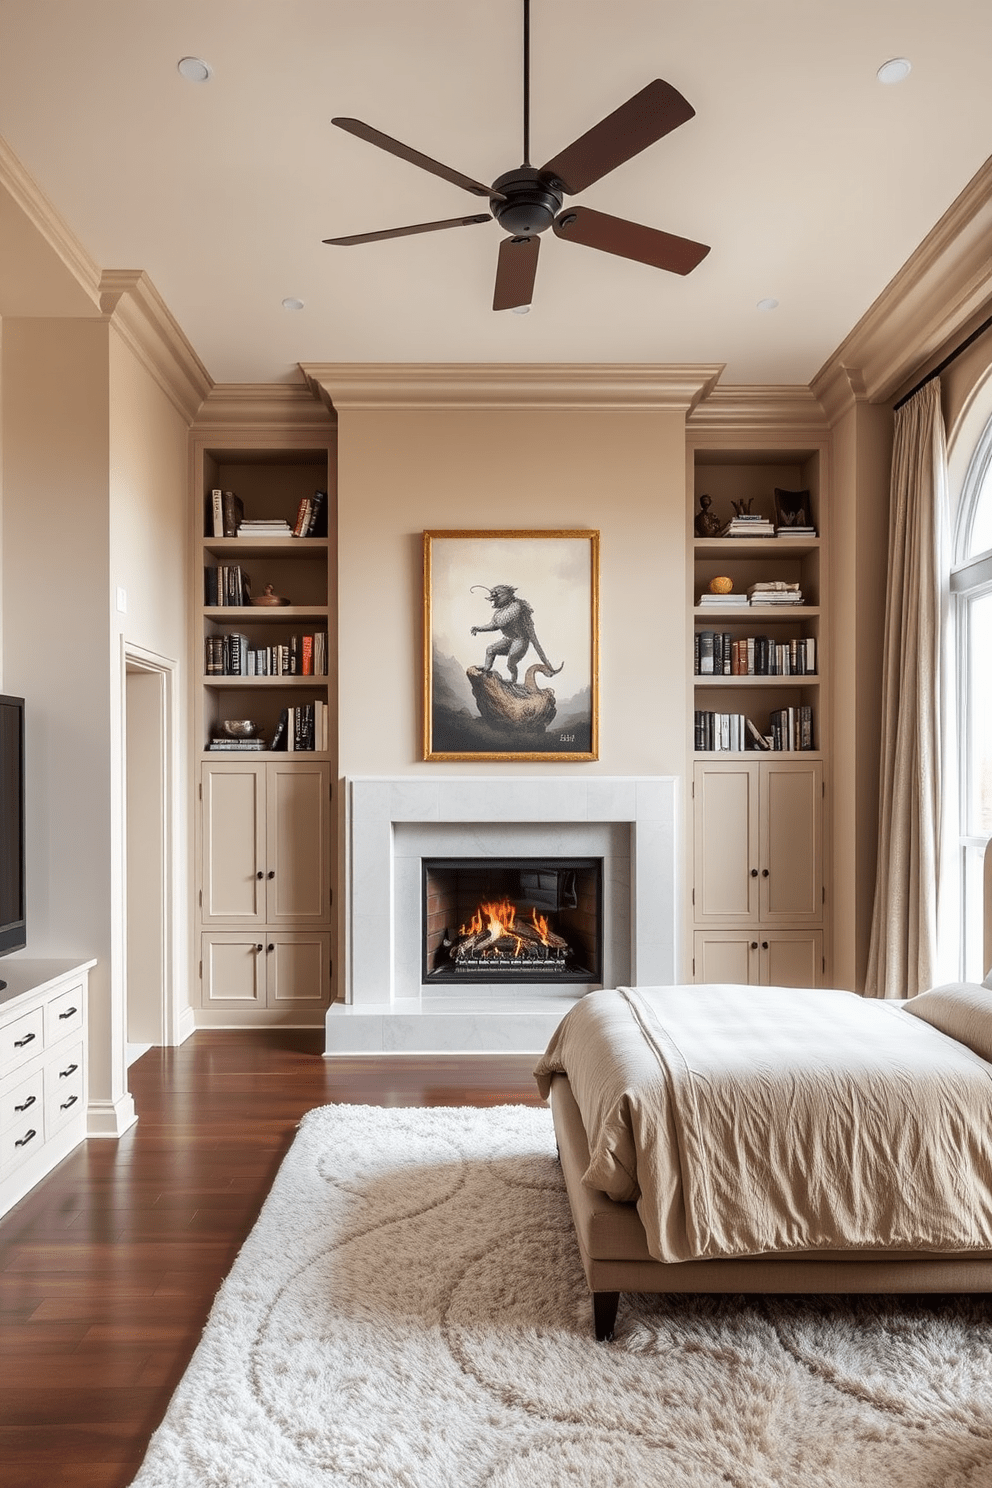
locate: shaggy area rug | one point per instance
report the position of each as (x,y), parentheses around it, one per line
(410,1312)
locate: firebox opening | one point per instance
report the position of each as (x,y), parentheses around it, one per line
(513,919)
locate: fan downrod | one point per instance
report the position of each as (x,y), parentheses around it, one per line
(529,200)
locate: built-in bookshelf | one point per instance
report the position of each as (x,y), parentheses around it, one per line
(757,750)
(263,652)
(264,648)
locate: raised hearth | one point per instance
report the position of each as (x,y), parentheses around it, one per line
(628,824)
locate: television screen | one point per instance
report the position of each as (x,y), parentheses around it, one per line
(12,921)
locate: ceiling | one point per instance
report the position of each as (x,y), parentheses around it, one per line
(811,181)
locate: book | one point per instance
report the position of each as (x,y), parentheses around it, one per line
(233,510)
(275,528)
(316,517)
(755,738)
(216,528)
(237,746)
(706,644)
(307,656)
(282,728)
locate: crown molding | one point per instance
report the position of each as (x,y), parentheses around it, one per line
(743,410)
(136,310)
(939,288)
(47,222)
(265,410)
(509,385)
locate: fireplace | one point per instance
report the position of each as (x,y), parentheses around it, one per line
(512,920)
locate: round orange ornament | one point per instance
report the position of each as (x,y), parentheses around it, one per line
(721,586)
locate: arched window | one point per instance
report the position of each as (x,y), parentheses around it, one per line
(971,590)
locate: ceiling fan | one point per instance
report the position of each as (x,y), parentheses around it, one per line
(527,201)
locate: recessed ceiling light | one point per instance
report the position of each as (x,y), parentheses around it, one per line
(292,304)
(520,309)
(896,70)
(767,304)
(194,69)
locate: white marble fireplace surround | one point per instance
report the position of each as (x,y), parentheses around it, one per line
(630,822)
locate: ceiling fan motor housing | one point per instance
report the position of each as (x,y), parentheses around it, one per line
(531,201)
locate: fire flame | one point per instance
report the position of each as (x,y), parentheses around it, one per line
(499,917)
(541,925)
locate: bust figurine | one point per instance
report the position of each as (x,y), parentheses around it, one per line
(707,524)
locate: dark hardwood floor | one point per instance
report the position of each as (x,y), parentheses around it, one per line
(108,1268)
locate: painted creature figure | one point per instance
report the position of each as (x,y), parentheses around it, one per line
(514,618)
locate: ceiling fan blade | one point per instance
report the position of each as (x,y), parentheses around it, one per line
(516,270)
(648,116)
(629,240)
(406,232)
(395,147)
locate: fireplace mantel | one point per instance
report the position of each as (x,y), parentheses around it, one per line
(631,822)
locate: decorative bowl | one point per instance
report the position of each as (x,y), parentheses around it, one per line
(241,728)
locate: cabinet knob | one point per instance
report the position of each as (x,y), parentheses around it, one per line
(270,946)
(259,874)
(764,872)
(754,945)
(271,873)
(754,872)
(260,947)
(764,945)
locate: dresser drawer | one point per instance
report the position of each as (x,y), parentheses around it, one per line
(63,1088)
(63,1015)
(22,1141)
(22,1040)
(21,1102)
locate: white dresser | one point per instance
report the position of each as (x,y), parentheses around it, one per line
(42,1069)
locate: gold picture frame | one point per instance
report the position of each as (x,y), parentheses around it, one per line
(501,611)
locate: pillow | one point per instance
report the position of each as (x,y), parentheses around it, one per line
(987,979)
(962,1010)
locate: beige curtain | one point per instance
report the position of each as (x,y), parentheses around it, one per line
(903,953)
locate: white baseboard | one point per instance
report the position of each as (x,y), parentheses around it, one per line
(187,1024)
(110,1118)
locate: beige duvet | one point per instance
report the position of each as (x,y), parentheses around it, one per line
(745,1121)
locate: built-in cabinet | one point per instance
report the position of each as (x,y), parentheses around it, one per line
(43,1087)
(758,848)
(263,811)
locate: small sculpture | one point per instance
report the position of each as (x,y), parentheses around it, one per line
(742,508)
(707,523)
(721,585)
(270,597)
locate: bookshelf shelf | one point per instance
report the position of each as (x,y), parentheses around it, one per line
(278,684)
(800,680)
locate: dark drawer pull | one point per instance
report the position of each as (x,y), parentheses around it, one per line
(23,1142)
(66,1072)
(69,1013)
(31,1100)
(70,1102)
(28,1037)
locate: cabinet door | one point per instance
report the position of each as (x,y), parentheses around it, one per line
(233,824)
(791,879)
(298,846)
(725,956)
(725,816)
(298,969)
(792,958)
(233,972)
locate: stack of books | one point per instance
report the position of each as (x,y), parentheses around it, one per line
(264,527)
(236,746)
(775,592)
(749,525)
(714,601)
(795,531)
(311,516)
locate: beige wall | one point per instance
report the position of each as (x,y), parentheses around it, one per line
(56,606)
(148,545)
(619,471)
(94,474)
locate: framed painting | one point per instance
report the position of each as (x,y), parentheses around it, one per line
(511,645)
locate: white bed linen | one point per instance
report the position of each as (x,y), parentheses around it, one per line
(748,1121)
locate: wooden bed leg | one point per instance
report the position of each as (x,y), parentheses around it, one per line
(604,1313)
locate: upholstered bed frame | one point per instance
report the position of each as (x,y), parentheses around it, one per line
(616,1258)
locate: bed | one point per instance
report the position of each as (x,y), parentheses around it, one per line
(730,1139)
